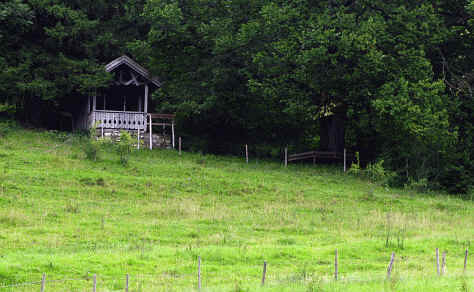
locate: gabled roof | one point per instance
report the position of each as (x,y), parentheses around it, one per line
(125,60)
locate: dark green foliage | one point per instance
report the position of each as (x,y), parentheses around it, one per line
(398,74)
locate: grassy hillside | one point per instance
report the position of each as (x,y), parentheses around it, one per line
(68,217)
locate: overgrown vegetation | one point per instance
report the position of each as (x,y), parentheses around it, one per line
(92,145)
(124,147)
(70,217)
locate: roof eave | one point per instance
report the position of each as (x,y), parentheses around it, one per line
(135,66)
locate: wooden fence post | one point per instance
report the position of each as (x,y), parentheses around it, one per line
(151,140)
(437,261)
(286,156)
(390,265)
(172,133)
(94,287)
(138,139)
(126,283)
(465,261)
(345,160)
(246,153)
(264,272)
(443,263)
(199,273)
(336,267)
(179,145)
(43,282)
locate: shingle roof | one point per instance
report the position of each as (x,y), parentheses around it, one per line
(135,66)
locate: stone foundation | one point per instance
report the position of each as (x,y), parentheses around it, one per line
(158,140)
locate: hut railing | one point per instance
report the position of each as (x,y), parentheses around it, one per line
(118,120)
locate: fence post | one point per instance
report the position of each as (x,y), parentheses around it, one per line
(126,283)
(246,153)
(465,261)
(172,133)
(336,268)
(345,160)
(390,265)
(138,139)
(179,145)
(199,273)
(437,261)
(286,156)
(43,282)
(94,287)
(264,272)
(151,140)
(443,263)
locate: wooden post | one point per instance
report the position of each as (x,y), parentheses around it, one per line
(151,140)
(145,103)
(199,273)
(43,282)
(172,132)
(94,287)
(102,132)
(138,139)
(336,268)
(465,261)
(246,153)
(443,263)
(94,102)
(344,159)
(390,265)
(179,145)
(126,283)
(286,156)
(264,272)
(437,261)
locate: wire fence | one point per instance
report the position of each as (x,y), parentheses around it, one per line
(216,279)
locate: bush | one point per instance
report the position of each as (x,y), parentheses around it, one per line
(374,171)
(355,168)
(124,147)
(92,146)
(6,127)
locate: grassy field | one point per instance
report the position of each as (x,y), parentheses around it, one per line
(70,218)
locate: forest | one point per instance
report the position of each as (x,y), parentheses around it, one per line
(399,75)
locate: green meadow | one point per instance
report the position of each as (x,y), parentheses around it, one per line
(71,218)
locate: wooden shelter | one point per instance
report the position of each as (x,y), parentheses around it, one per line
(124,104)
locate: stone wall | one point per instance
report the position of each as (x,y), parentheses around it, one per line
(158,140)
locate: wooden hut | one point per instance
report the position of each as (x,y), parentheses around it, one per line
(124,105)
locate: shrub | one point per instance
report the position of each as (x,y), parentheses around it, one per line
(355,168)
(92,146)
(374,171)
(6,127)
(419,185)
(124,147)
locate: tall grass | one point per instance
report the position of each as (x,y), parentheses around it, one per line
(69,217)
